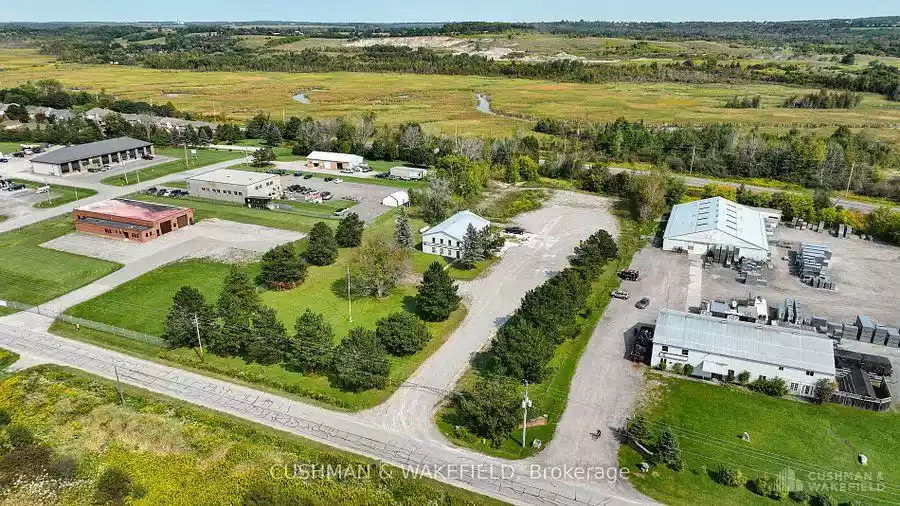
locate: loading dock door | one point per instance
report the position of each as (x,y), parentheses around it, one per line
(165,227)
(182,221)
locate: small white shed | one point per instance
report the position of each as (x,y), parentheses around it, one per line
(396,199)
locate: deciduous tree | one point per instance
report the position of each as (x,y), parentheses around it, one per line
(378,265)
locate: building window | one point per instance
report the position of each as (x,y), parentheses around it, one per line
(809,373)
(442,251)
(684,352)
(794,387)
(665,348)
(762,377)
(781,368)
(442,241)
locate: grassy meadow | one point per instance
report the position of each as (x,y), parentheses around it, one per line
(808,439)
(175,453)
(446,103)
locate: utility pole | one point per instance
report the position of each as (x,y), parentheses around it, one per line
(118,386)
(349,298)
(199,342)
(526,403)
(846,193)
(693,152)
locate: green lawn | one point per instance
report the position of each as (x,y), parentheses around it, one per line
(142,305)
(204,157)
(784,434)
(178,453)
(8,148)
(551,395)
(31,274)
(59,194)
(204,209)
(513,203)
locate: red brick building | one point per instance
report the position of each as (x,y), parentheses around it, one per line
(131,220)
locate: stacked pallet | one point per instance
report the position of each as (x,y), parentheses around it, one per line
(893,338)
(880,335)
(850,331)
(866,328)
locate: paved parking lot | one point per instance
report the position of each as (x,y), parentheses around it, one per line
(21,167)
(370,195)
(866,276)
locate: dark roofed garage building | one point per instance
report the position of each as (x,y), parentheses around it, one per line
(131,220)
(78,158)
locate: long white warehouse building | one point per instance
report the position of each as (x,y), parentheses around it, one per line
(698,226)
(720,348)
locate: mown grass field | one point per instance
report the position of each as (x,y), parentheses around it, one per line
(203,158)
(32,275)
(177,453)
(807,439)
(446,103)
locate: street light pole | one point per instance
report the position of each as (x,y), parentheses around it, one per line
(199,342)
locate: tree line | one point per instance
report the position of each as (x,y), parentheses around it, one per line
(823,100)
(523,346)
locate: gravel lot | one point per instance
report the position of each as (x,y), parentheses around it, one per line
(866,276)
(15,204)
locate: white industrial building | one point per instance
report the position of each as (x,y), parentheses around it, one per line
(720,348)
(81,157)
(446,238)
(408,172)
(699,226)
(234,185)
(336,161)
(396,199)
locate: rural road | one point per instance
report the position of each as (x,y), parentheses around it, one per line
(401,432)
(104,192)
(698,182)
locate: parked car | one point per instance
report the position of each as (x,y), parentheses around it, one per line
(298,174)
(326,195)
(630,274)
(329,179)
(147,157)
(4,159)
(643,303)
(162,192)
(517,230)
(338,180)
(19,154)
(27,152)
(620,294)
(307,176)
(382,175)
(151,190)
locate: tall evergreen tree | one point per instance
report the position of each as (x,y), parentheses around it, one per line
(322,248)
(402,333)
(593,253)
(473,247)
(402,230)
(238,301)
(268,339)
(282,268)
(520,350)
(667,450)
(437,297)
(360,362)
(313,344)
(189,311)
(273,135)
(349,231)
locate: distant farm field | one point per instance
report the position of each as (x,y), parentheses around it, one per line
(447,103)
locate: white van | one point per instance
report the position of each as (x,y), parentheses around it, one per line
(43,189)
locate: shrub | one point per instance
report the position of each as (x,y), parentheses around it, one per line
(825,389)
(19,436)
(798,496)
(662,364)
(359,362)
(282,268)
(822,499)
(402,333)
(676,368)
(667,450)
(769,486)
(29,460)
(65,468)
(744,377)
(730,477)
(113,486)
(688,369)
(775,387)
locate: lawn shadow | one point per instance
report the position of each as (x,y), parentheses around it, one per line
(409,304)
(339,288)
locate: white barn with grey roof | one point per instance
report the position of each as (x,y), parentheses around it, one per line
(446,238)
(699,226)
(720,348)
(234,185)
(79,158)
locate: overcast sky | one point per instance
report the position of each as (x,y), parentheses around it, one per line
(441,10)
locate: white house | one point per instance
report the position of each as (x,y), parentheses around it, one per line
(721,348)
(703,224)
(446,238)
(396,199)
(338,161)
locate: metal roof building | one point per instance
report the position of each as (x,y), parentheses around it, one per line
(77,158)
(703,224)
(339,161)
(720,347)
(446,238)
(235,185)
